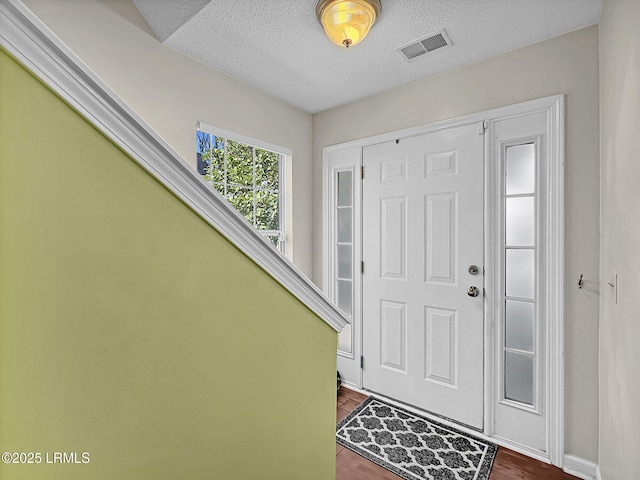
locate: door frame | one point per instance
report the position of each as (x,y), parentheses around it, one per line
(349,154)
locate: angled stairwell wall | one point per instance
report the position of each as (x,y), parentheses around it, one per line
(130,329)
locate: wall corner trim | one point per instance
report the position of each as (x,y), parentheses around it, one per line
(581,468)
(28,40)
(598,474)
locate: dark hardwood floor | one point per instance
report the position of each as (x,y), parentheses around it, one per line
(508,465)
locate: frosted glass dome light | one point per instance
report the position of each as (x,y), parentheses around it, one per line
(347,22)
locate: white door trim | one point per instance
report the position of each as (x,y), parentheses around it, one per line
(554,267)
(555,277)
(553,271)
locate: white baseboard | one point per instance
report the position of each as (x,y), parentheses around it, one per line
(580,468)
(598,474)
(354,387)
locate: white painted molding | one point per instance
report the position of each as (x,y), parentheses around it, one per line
(25,37)
(354,387)
(580,468)
(348,161)
(554,107)
(555,280)
(598,473)
(500,112)
(552,287)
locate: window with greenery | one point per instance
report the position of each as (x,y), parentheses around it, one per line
(248,177)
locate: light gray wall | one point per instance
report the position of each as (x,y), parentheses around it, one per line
(620,240)
(171,92)
(566,64)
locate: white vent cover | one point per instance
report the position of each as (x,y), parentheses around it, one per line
(424,45)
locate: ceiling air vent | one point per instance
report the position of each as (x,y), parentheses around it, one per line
(424,45)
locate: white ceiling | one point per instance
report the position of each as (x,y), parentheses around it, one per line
(279,47)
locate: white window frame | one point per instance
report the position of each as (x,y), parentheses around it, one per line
(284,154)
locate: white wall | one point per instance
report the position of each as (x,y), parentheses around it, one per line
(620,240)
(171,92)
(566,64)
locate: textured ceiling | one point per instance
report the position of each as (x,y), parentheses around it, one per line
(279,47)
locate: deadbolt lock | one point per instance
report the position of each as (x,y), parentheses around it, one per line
(473,270)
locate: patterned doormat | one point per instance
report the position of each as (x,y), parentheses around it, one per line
(412,446)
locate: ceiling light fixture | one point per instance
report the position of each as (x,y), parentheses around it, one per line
(347,22)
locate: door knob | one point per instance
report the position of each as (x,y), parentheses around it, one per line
(473,291)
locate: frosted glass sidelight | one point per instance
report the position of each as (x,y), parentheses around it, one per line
(344,339)
(344,251)
(344,189)
(520,223)
(520,273)
(518,377)
(344,296)
(521,169)
(345,224)
(519,325)
(344,262)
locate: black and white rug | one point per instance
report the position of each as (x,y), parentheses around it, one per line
(412,446)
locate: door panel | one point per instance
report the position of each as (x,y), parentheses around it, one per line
(423,336)
(440,237)
(393,237)
(441,332)
(393,345)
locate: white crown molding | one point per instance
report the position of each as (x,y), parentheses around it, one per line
(25,37)
(580,468)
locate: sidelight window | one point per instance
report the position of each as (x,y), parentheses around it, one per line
(519,293)
(344,252)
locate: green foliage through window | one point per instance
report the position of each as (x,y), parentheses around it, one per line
(248,177)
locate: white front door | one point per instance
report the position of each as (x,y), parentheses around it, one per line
(423,334)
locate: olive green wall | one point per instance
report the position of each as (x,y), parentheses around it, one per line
(172,92)
(131,330)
